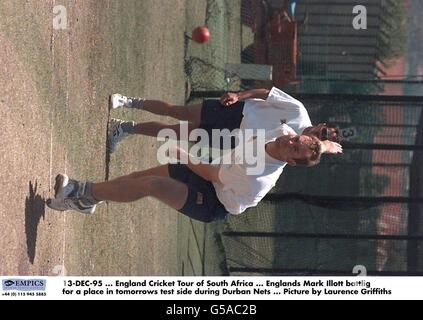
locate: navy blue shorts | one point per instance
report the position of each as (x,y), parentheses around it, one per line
(216,116)
(202,203)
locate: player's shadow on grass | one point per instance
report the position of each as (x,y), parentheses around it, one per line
(34,210)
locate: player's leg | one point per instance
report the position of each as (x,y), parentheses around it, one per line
(84,196)
(185,113)
(160,171)
(153,128)
(173,185)
(182,190)
(65,187)
(169,191)
(119,130)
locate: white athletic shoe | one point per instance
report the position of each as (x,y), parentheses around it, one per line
(119,101)
(67,196)
(70,204)
(115,134)
(64,187)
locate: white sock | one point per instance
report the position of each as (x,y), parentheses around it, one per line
(137,103)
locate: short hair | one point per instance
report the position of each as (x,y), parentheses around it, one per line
(315,145)
(334,138)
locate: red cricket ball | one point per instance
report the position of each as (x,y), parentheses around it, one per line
(201,34)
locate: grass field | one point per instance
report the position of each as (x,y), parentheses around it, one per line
(55,85)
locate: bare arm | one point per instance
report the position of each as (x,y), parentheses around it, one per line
(206,171)
(254,93)
(232,97)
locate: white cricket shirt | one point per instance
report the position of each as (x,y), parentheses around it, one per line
(268,114)
(237,190)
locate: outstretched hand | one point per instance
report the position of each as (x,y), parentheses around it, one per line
(331,147)
(229,98)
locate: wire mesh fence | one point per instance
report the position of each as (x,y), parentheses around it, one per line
(306,46)
(357,209)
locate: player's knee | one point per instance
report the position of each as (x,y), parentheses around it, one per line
(176,111)
(154,184)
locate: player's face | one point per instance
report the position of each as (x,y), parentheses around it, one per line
(295,147)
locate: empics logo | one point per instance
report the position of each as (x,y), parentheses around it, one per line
(24,284)
(8,283)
